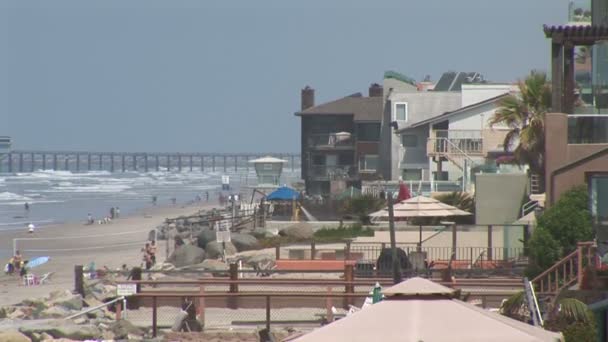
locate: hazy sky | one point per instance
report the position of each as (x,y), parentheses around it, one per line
(225,76)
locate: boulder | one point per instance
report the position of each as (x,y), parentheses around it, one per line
(215,249)
(214,265)
(299,231)
(66,299)
(17,314)
(55,312)
(186,255)
(244,242)
(60,329)
(13,336)
(123,329)
(261,233)
(204,237)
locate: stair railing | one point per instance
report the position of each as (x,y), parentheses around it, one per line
(566,272)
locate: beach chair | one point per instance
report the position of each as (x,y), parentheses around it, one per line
(45,278)
(30,280)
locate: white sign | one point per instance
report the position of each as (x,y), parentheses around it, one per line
(126,289)
(222,236)
(226,180)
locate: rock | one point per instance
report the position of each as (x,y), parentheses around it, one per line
(107,335)
(68,300)
(123,329)
(186,255)
(80,320)
(215,249)
(60,329)
(13,336)
(261,258)
(244,242)
(204,237)
(299,231)
(56,311)
(261,233)
(17,314)
(214,265)
(45,337)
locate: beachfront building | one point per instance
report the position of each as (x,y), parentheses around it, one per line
(576,134)
(340,140)
(453,145)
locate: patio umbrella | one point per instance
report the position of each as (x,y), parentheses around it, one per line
(420,206)
(37,261)
(421,310)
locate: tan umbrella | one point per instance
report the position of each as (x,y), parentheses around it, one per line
(420,206)
(420,310)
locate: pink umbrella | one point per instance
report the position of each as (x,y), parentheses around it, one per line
(404,192)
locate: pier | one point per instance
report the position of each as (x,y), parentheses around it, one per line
(77,161)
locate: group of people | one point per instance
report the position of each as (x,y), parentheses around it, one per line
(149,254)
(16,264)
(113,214)
(226,199)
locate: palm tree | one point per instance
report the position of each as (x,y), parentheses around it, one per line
(523,114)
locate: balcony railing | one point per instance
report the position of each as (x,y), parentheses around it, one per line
(454,142)
(326,172)
(341,140)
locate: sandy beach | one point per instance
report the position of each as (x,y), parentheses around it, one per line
(111,245)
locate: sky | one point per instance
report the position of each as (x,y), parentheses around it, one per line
(225,76)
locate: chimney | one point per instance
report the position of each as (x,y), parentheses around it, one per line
(308,98)
(375,90)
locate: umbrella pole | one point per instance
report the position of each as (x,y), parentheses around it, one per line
(391,226)
(420,239)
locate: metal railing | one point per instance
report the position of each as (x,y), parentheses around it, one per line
(528,207)
(331,140)
(332,172)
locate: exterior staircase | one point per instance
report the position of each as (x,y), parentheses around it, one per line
(566,272)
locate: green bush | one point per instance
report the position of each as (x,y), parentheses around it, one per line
(544,251)
(341,233)
(362,206)
(569,220)
(559,229)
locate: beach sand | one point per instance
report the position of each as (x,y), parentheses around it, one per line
(111,245)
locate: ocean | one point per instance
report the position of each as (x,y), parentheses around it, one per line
(64,196)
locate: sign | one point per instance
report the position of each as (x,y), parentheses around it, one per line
(225,180)
(126,289)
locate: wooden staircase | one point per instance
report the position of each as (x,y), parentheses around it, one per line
(566,272)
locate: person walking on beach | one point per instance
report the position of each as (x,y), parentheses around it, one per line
(154,199)
(27,207)
(152,252)
(147,259)
(30,228)
(117,212)
(207,196)
(17,259)
(112,213)
(90,219)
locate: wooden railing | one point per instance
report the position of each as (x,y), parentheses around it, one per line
(565,272)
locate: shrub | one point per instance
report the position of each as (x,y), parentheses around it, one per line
(569,220)
(341,233)
(362,206)
(544,251)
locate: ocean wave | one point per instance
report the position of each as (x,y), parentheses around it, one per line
(100,188)
(9,196)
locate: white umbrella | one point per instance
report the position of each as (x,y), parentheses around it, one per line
(421,310)
(420,206)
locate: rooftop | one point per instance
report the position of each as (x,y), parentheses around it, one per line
(362,108)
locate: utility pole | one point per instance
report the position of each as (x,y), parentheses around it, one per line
(391,225)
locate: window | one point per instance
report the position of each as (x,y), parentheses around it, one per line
(400,111)
(368,162)
(368,132)
(409,140)
(412,174)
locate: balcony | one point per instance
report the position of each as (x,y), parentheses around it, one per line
(333,172)
(456,142)
(332,141)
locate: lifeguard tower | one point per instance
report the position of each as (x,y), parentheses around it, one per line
(268,171)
